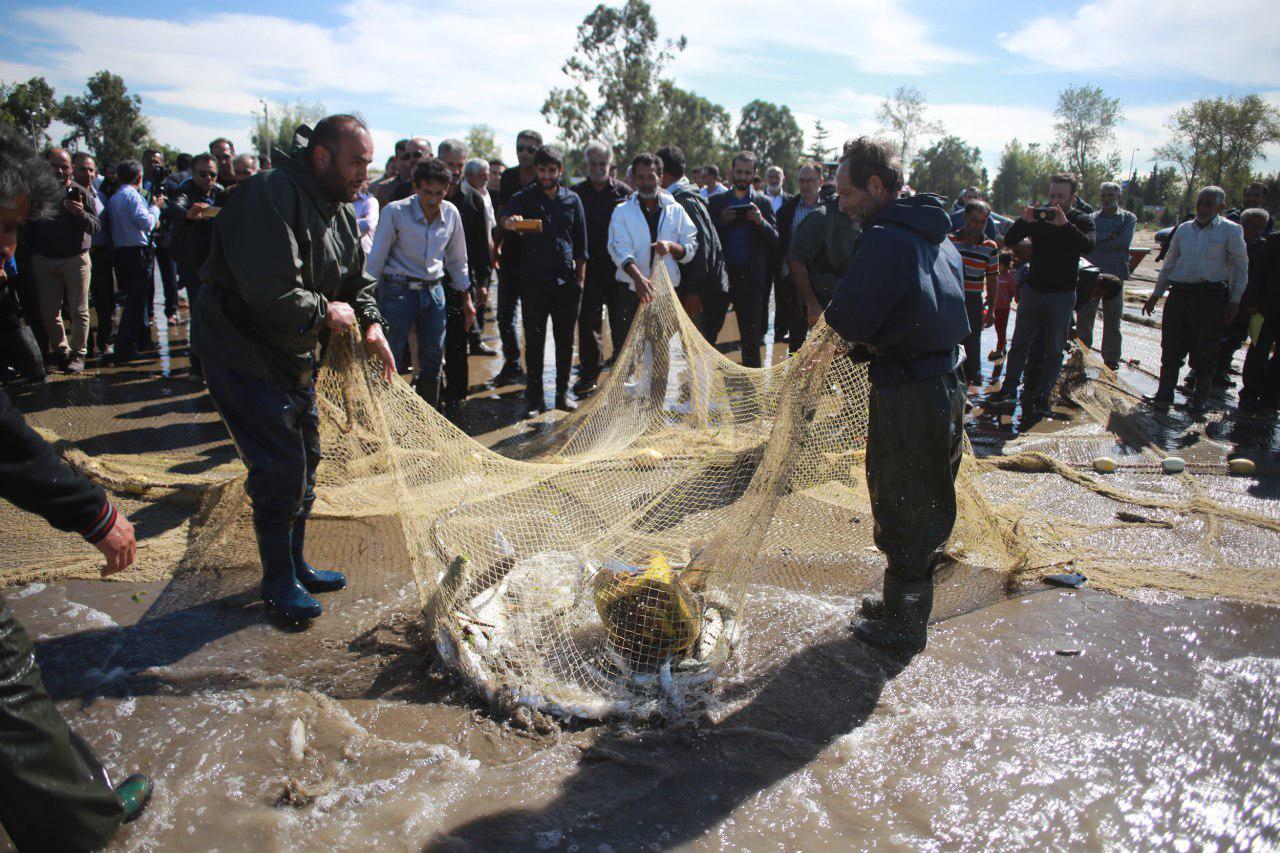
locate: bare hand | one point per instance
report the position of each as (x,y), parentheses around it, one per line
(340,317)
(73,206)
(729,215)
(644,288)
(375,343)
(753,214)
(812,312)
(1028,214)
(508,223)
(118,546)
(1059,215)
(197,210)
(1150,305)
(692,304)
(158,201)
(663,247)
(468,313)
(482,296)
(1233,309)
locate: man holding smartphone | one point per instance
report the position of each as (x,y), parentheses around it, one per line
(194,203)
(745,220)
(1060,234)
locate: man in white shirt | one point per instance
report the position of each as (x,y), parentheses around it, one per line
(773,178)
(418,239)
(1206,271)
(649,224)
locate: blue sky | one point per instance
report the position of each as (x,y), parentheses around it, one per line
(991,70)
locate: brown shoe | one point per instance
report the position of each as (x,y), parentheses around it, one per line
(74,366)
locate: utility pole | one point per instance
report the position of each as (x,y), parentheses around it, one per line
(1132,158)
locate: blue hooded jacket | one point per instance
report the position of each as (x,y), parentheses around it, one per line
(903,296)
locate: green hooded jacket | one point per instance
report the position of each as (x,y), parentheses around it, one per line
(281,253)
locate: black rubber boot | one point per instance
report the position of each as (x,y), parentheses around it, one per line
(312,580)
(903,618)
(280,588)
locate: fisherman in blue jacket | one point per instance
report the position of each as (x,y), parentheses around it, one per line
(902,306)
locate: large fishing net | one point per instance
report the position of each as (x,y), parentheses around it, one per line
(697,517)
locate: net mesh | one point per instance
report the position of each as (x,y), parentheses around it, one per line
(696,516)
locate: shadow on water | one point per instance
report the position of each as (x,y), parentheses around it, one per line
(633,790)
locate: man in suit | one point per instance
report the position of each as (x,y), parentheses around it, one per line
(777,281)
(793,210)
(748,231)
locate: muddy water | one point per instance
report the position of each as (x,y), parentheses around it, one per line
(1050,719)
(1054,718)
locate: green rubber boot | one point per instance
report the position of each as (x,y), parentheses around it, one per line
(134,793)
(899,620)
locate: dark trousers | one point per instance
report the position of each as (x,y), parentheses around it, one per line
(784,305)
(598,295)
(800,315)
(102,290)
(541,301)
(20,351)
(456,341)
(29,303)
(1262,366)
(1191,326)
(53,790)
(508,300)
(973,341)
(1039,334)
(133,277)
(277,433)
(745,294)
(189,278)
(168,280)
(1233,337)
(914,444)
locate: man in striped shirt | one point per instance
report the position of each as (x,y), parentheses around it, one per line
(981,268)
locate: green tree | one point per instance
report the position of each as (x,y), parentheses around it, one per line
(698,126)
(481,142)
(947,167)
(29,107)
(771,131)
(902,113)
(819,151)
(274,126)
(1023,177)
(1217,140)
(105,120)
(615,73)
(1085,121)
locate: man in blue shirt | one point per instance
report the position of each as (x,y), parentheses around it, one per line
(132,220)
(553,267)
(901,305)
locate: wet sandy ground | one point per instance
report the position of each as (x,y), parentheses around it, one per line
(1052,718)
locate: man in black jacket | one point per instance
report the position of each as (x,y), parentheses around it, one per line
(902,304)
(600,194)
(1047,304)
(194,204)
(475,228)
(704,279)
(512,181)
(1261,377)
(749,235)
(54,793)
(794,210)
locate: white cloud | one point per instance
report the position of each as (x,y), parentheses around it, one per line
(1232,43)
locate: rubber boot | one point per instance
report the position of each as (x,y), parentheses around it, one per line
(312,580)
(428,388)
(134,793)
(903,619)
(280,588)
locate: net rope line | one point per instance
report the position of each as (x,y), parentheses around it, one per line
(694,503)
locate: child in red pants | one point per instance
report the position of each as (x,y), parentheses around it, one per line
(1006,292)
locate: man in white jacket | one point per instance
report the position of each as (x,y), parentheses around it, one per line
(651,222)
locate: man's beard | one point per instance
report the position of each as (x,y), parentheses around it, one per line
(741,186)
(548,183)
(647,194)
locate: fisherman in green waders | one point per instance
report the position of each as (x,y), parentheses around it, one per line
(54,793)
(902,306)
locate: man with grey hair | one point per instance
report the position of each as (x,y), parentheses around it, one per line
(1113,229)
(1205,272)
(476,175)
(600,195)
(244,167)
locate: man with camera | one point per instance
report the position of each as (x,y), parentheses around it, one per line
(60,261)
(1060,234)
(195,202)
(745,220)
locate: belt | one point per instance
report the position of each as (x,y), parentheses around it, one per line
(1222,284)
(411,282)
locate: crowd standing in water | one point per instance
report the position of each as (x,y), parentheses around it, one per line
(275,260)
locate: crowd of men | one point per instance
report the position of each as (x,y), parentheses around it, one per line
(444,233)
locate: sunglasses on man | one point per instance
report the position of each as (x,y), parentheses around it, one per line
(413,155)
(526,149)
